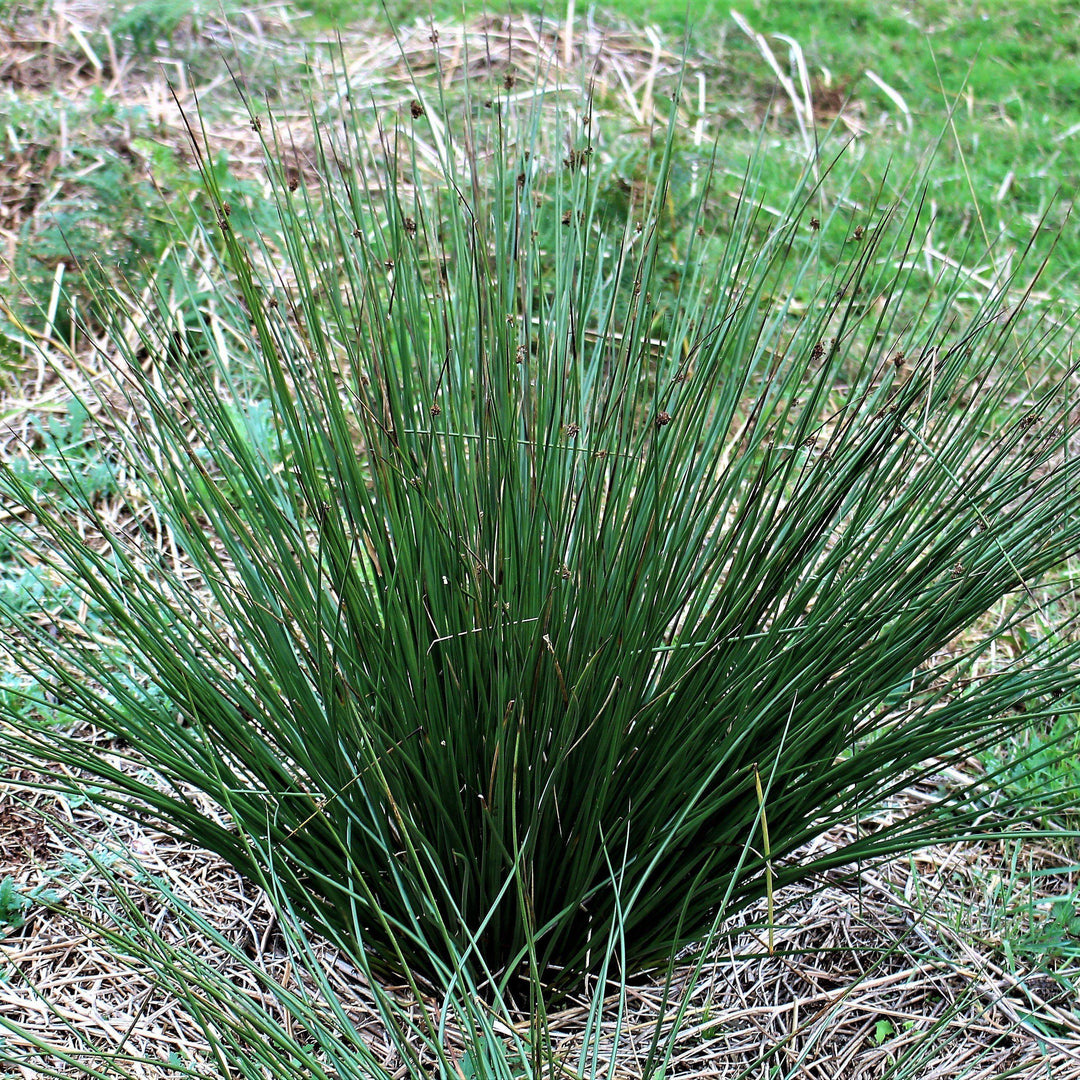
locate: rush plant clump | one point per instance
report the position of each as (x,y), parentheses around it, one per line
(526,583)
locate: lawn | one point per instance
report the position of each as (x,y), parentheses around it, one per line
(130,951)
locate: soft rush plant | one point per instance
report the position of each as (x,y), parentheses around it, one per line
(502,570)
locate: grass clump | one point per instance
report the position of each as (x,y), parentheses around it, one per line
(527,583)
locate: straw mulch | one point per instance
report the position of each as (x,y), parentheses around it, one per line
(69,57)
(900,964)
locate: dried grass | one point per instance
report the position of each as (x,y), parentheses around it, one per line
(907,945)
(70,55)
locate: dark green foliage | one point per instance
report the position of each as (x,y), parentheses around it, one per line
(12,904)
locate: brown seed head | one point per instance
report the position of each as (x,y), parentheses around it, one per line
(577,158)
